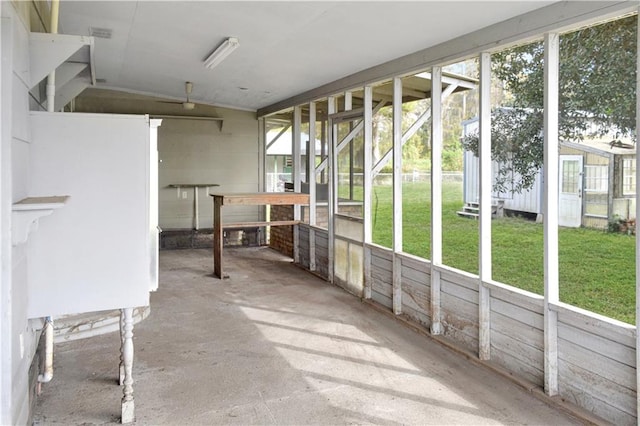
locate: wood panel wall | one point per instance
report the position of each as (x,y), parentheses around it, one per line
(596,354)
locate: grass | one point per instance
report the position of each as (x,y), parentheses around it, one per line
(597,269)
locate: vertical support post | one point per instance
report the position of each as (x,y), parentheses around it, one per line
(332,187)
(121,375)
(486,183)
(638,216)
(196,218)
(348,105)
(551,272)
(262,174)
(367,185)
(217,236)
(397,195)
(311,179)
(128,409)
(436,197)
(324,148)
(262,158)
(296,175)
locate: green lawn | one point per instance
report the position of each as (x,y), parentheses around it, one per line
(597,269)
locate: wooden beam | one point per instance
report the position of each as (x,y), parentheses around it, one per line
(367,185)
(348,106)
(240,225)
(357,129)
(332,187)
(551,272)
(296,175)
(397,195)
(276,137)
(261,198)
(486,183)
(311,179)
(262,155)
(368,158)
(410,132)
(217,237)
(436,197)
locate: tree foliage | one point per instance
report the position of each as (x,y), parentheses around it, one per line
(597,96)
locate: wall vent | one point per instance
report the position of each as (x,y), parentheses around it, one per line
(100,32)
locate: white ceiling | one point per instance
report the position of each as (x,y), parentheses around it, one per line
(285,47)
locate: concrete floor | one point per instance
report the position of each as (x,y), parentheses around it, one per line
(275,345)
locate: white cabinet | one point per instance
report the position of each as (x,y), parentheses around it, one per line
(100,251)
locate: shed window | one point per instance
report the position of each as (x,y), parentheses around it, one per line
(629,176)
(597,204)
(596,178)
(596,188)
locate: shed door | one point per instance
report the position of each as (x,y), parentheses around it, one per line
(570,201)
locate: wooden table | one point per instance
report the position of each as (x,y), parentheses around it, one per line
(248,199)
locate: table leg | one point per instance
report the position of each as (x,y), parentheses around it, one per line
(217,238)
(196,219)
(128,410)
(121,378)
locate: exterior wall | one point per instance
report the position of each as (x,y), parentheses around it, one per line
(349,208)
(526,201)
(596,354)
(281,237)
(594,222)
(624,207)
(18,337)
(304,249)
(198,152)
(517,332)
(416,289)
(597,364)
(321,249)
(381,276)
(322,252)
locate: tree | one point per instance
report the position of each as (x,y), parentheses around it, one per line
(597,96)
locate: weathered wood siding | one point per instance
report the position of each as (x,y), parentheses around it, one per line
(416,289)
(303,245)
(322,252)
(597,370)
(381,275)
(517,332)
(459,307)
(596,354)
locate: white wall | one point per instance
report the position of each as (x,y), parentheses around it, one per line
(18,341)
(199,152)
(193,151)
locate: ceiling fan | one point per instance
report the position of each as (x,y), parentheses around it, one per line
(187,105)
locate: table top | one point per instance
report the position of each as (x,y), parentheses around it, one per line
(260,198)
(191,185)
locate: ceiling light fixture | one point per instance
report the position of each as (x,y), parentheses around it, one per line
(221,52)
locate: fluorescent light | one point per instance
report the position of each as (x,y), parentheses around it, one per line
(224,50)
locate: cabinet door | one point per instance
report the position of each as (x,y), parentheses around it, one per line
(94,253)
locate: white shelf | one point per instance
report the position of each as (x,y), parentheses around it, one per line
(27,213)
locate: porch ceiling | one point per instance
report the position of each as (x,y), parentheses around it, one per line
(285,47)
